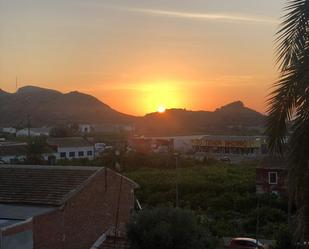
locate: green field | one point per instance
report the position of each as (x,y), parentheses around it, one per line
(223,196)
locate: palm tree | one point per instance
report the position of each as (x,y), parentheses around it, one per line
(289,103)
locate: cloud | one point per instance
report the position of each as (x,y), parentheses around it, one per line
(226,17)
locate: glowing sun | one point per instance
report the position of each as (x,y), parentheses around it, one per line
(161,109)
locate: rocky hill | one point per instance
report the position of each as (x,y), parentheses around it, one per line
(50,107)
(46,107)
(233,118)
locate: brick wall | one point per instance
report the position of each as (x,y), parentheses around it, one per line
(262,181)
(87,214)
(48,230)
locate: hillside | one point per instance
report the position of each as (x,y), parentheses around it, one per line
(50,107)
(233,118)
(46,107)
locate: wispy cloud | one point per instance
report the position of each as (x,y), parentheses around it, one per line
(226,17)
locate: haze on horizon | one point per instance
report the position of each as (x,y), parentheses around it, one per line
(137,56)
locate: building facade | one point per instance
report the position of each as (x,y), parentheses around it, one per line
(231,146)
(10,130)
(272,176)
(72,148)
(33,132)
(49,207)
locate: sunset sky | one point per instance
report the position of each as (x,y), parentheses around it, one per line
(138,55)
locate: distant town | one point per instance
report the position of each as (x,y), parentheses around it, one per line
(116,147)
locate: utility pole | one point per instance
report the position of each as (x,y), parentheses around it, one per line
(257,222)
(117,213)
(28,125)
(177,179)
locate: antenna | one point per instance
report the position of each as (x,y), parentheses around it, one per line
(16,83)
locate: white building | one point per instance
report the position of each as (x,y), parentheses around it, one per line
(181,144)
(10,130)
(71,148)
(33,132)
(85,128)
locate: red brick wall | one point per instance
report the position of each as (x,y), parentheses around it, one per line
(86,215)
(48,230)
(262,181)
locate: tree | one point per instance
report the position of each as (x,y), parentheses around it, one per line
(36,147)
(283,238)
(61,131)
(289,103)
(168,228)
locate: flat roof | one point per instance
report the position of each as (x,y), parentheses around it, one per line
(11,214)
(22,212)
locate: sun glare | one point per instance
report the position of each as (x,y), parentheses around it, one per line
(161,109)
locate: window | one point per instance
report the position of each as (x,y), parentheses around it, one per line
(89,153)
(72,154)
(272,178)
(63,154)
(80,153)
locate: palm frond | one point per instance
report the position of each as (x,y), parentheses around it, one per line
(290,102)
(292,40)
(293,33)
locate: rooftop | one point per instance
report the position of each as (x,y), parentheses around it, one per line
(13,149)
(234,138)
(273,162)
(42,185)
(11,213)
(69,142)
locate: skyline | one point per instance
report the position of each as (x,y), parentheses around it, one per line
(138,56)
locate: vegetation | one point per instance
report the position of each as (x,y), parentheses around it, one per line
(290,100)
(132,161)
(222,196)
(283,238)
(36,147)
(65,131)
(168,228)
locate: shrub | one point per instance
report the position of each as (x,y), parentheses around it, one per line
(168,228)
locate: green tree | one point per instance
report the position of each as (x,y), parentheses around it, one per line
(167,228)
(290,102)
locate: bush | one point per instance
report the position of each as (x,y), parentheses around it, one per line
(283,238)
(168,228)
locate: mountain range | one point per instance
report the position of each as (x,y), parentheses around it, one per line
(46,107)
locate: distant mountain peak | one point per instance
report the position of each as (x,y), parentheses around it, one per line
(3,92)
(50,107)
(34,89)
(234,105)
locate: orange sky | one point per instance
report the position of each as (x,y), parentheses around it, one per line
(136,55)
